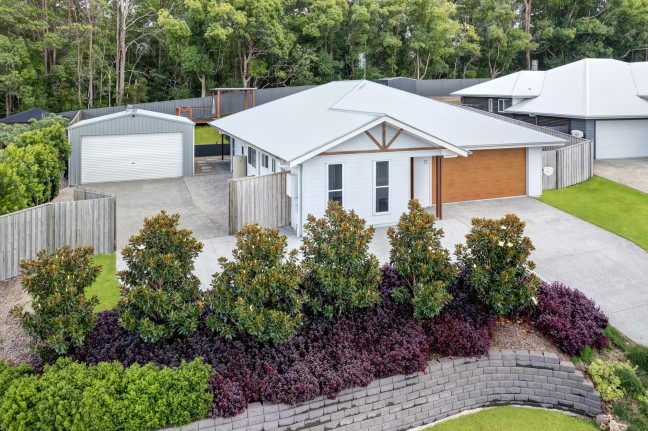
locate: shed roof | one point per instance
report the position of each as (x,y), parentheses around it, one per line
(591,88)
(302,125)
(25,116)
(521,84)
(134,112)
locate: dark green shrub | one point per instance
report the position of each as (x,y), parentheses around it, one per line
(495,259)
(52,136)
(62,315)
(630,383)
(417,254)
(76,397)
(160,295)
(638,355)
(341,274)
(258,291)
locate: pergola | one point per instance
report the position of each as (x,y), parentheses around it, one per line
(216,98)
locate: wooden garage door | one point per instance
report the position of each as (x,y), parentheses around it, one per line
(485,174)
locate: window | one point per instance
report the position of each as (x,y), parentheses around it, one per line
(490,105)
(252,156)
(334,182)
(264,160)
(382,186)
(274,165)
(502,104)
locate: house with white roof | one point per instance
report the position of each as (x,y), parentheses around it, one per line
(605,99)
(373,147)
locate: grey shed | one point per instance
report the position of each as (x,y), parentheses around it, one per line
(131,145)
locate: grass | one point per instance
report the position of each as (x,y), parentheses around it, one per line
(616,338)
(106,287)
(515,418)
(612,206)
(207,135)
(586,356)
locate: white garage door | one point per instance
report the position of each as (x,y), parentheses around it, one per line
(131,157)
(621,138)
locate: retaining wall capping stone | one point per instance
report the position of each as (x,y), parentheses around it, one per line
(447,387)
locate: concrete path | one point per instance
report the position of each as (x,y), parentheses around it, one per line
(630,172)
(139,199)
(606,267)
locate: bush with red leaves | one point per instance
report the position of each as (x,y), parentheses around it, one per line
(569,318)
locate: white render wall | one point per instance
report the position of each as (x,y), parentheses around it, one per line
(534,171)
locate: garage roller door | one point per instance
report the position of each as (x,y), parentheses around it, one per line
(621,138)
(484,174)
(131,157)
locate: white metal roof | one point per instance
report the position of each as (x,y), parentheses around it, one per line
(521,84)
(591,88)
(132,112)
(302,125)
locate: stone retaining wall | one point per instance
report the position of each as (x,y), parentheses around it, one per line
(447,387)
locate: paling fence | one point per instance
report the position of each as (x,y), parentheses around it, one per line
(261,200)
(89,220)
(570,164)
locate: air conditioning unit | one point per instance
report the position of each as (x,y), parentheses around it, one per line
(577,133)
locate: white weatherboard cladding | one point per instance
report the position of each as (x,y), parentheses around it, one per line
(131,157)
(358,185)
(621,138)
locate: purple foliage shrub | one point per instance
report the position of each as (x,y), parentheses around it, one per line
(569,318)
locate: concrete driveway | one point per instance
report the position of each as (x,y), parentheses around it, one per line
(606,267)
(630,172)
(201,202)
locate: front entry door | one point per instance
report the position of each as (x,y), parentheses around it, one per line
(422,177)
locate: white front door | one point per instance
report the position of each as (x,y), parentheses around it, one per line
(423,180)
(143,156)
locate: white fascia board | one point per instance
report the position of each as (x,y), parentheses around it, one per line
(529,145)
(453,148)
(262,150)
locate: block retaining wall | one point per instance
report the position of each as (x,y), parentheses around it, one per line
(447,387)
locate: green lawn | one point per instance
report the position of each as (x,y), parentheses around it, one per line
(106,287)
(206,135)
(515,418)
(612,206)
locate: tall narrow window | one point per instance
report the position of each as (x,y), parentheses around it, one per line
(334,181)
(274,165)
(382,187)
(490,105)
(264,160)
(252,154)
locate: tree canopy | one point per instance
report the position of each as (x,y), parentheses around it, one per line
(79,54)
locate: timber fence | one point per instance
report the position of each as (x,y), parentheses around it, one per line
(89,220)
(570,164)
(261,200)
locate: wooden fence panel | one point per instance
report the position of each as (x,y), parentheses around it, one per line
(89,221)
(549,160)
(261,200)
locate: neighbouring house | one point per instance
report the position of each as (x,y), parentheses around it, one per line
(605,99)
(372,148)
(133,144)
(25,117)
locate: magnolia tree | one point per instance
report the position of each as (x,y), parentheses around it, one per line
(62,314)
(258,291)
(341,274)
(160,295)
(497,265)
(417,254)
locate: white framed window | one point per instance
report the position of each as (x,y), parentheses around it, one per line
(502,105)
(274,165)
(252,156)
(381,186)
(490,105)
(335,182)
(264,160)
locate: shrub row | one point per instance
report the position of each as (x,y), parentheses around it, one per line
(70,396)
(323,358)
